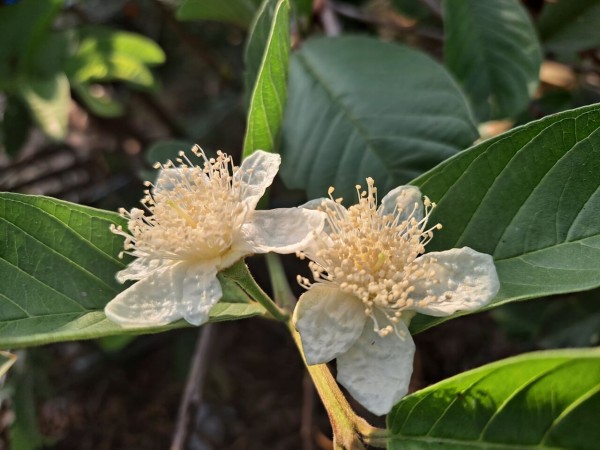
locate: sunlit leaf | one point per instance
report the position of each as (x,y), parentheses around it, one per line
(531,198)
(269,92)
(49,101)
(544,400)
(57,264)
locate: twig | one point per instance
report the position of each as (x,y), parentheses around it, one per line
(329,20)
(192,393)
(308,401)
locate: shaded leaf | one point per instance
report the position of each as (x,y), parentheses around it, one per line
(24,27)
(269,92)
(531,198)
(543,400)
(570,26)
(362,108)
(57,262)
(15,125)
(572,321)
(493,50)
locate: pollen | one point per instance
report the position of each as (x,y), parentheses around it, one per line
(375,256)
(192,212)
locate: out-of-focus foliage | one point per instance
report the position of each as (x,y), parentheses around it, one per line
(492,49)
(40,63)
(570,25)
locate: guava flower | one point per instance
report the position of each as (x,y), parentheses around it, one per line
(199,220)
(372,276)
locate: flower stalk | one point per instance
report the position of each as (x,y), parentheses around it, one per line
(350,432)
(241,275)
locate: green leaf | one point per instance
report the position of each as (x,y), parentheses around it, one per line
(238,12)
(114,67)
(529,197)
(49,101)
(493,50)
(257,42)
(570,26)
(99,101)
(542,400)
(96,40)
(362,108)
(7,359)
(104,54)
(269,93)
(57,264)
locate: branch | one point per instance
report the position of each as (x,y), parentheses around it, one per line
(192,393)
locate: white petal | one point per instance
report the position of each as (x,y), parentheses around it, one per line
(329,322)
(401,201)
(138,269)
(172,292)
(256,174)
(152,301)
(334,210)
(283,230)
(201,290)
(467,280)
(377,370)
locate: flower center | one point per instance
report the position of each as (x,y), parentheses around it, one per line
(192,211)
(373,255)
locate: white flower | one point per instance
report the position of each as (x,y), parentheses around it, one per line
(371,278)
(200,220)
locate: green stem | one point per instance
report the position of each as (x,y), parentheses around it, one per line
(350,432)
(241,275)
(281,289)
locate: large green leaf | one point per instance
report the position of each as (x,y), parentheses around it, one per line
(570,26)
(239,12)
(57,265)
(269,92)
(49,101)
(359,107)
(493,50)
(543,400)
(529,197)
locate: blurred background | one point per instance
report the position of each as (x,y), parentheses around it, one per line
(92,92)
